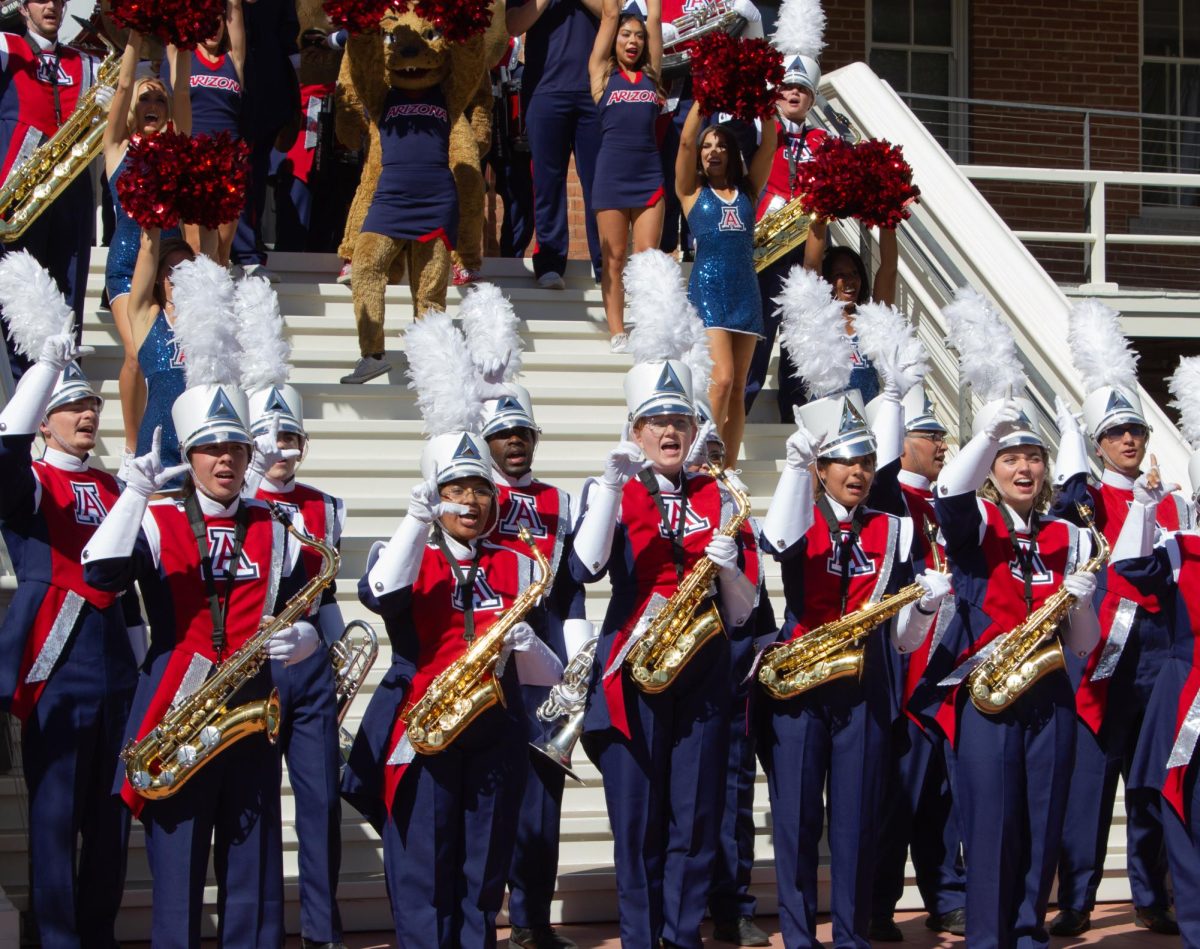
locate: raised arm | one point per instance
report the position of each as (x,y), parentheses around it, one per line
(814,247)
(181,87)
(519,19)
(235,29)
(142,305)
(687,175)
(884,288)
(606,35)
(116,131)
(654,40)
(365,53)
(469,66)
(764,155)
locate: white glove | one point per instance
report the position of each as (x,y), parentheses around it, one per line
(723,551)
(59,350)
(623,463)
(746,10)
(669,34)
(802,447)
(425,503)
(104,96)
(936,586)
(1082,586)
(1008,413)
(493,369)
(520,638)
(536,662)
(293,644)
(1064,418)
(267,453)
(1149,495)
(145,474)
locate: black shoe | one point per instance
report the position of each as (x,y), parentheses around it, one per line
(1070,922)
(310,944)
(741,931)
(538,937)
(884,929)
(953,922)
(366,369)
(1156,920)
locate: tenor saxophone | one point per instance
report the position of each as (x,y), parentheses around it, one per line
(1020,659)
(194,732)
(469,686)
(675,634)
(779,233)
(835,650)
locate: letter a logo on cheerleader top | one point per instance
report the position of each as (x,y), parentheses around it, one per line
(731,220)
(522,512)
(220,551)
(483,598)
(89,509)
(175,360)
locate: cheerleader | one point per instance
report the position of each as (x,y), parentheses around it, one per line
(647,523)
(208,566)
(447,819)
(627,191)
(1008,556)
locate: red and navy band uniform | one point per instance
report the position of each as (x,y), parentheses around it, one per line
(447,820)
(68,673)
(416,198)
(835,735)
(235,797)
(561,120)
(547,513)
(794,145)
(1171,573)
(1114,686)
(509,155)
(628,174)
(308,736)
(38,92)
(301,213)
(918,806)
(658,753)
(1010,770)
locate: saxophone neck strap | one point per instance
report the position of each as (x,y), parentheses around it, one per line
(650,481)
(1024,555)
(38,54)
(218,604)
(846,541)
(465,580)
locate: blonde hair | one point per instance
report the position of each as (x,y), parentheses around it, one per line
(138,86)
(989,492)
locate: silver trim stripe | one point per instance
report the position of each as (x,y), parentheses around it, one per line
(1118,637)
(889,560)
(279,540)
(56,639)
(970,665)
(1185,741)
(653,608)
(193,678)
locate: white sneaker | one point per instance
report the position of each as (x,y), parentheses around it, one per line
(551,281)
(260,270)
(619,343)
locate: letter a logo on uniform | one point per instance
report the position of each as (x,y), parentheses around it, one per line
(466,449)
(731,220)
(521,511)
(484,598)
(221,542)
(89,509)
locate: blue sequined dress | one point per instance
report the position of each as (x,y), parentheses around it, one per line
(126,239)
(161,361)
(723,286)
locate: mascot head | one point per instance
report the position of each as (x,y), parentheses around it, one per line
(415,54)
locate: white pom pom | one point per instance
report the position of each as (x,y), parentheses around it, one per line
(814,331)
(265,349)
(442,374)
(659,308)
(887,338)
(205,322)
(1185,386)
(491,327)
(34,308)
(986,349)
(1099,348)
(800,28)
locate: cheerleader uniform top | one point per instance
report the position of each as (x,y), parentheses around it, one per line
(723,286)
(161,362)
(557,48)
(416,198)
(216,94)
(628,168)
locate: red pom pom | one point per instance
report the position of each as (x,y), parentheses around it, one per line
(186,23)
(358,16)
(213,189)
(458,20)
(155,165)
(870,181)
(738,76)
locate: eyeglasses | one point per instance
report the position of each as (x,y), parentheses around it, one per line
(1120,431)
(936,437)
(660,423)
(458,493)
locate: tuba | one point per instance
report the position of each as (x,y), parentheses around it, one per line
(834,650)
(352,657)
(675,634)
(200,727)
(1019,658)
(470,686)
(568,699)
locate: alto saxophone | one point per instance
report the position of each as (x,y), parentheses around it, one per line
(469,686)
(194,732)
(1019,659)
(568,700)
(834,650)
(352,658)
(40,179)
(675,634)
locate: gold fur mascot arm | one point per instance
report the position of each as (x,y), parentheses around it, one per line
(368,72)
(463,80)
(351,121)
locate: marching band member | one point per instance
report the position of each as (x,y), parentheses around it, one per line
(627,191)
(838,554)
(448,817)
(208,565)
(547,513)
(648,525)
(307,696)
(1118,677)
(918,809)
(1164,567)
(67,671)
(1009,557)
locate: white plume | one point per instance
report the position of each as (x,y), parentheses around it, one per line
(34,308)
(890,341)
(442,374)
(814,331)
(800,28)
(1184,384)
(206,322)
(265,349)
(491,327)
(986,349)
(659,308)
(1099,348)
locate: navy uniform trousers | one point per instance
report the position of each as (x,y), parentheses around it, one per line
(309,740)
(1183,851)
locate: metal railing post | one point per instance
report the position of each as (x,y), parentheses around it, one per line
(1097,270)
